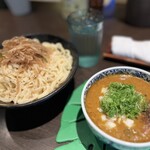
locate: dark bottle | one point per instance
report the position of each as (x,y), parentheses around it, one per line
(96,4)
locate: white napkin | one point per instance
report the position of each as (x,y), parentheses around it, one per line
(126,46)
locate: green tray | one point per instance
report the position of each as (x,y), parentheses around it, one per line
(74,133)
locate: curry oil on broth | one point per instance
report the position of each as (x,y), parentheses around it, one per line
(140,132)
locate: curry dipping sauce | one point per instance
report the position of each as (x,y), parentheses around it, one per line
(134,129)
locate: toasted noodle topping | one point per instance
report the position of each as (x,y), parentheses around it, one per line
(23,51)
(123,100)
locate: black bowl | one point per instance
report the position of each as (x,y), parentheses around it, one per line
(67,45)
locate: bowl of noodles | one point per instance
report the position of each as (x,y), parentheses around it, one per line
(34,68)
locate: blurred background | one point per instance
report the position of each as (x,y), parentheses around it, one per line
(64,7)
(135,12)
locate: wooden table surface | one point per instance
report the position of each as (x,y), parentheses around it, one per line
(24,133)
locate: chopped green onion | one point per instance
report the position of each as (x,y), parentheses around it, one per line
(123,100)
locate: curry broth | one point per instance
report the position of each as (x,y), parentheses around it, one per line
(140,132)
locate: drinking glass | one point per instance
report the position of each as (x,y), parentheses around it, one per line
(86,31)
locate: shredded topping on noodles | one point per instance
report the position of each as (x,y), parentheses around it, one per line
(30,70)
(23,51)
